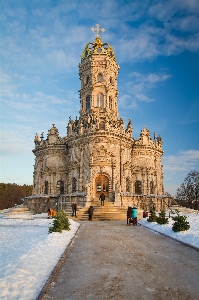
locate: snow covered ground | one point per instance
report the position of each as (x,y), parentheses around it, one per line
(29,254)
(190,237)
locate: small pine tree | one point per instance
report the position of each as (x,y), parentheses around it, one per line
(180,223)
(152,217)
(60,223)
(162,219)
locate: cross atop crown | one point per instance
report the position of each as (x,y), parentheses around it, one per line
(97,30)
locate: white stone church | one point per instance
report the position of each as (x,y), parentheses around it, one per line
(98,153)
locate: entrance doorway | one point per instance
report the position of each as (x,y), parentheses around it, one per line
(102,185)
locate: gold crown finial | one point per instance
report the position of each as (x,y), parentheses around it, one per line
(98,29)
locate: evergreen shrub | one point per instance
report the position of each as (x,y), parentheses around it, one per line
(152,217)
(162,219)
(60,223)
(180,223)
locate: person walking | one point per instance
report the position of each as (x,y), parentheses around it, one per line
(129,216)
(102,198)
(74,209)
(90,213)
(134,215)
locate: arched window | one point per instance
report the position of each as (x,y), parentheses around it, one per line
(151,187)
(46,187)
(102,125)
(100,77)
(138,187)
(100,100)
(110,103)
(88,104)
(60,187)
(111,80)
(87,79)
(128,184)
(74,185)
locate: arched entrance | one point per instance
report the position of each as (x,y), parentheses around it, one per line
(102,185)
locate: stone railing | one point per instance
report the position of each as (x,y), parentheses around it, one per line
(65,201)
(41,203)
(145,202)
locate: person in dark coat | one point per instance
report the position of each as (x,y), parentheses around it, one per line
(129,212)
(134,215)
(74,209)
(90,213)
(102,198)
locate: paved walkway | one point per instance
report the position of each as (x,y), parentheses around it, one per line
(109,260)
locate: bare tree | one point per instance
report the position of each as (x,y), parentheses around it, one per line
(188,192)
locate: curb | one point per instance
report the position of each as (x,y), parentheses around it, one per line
(56,269)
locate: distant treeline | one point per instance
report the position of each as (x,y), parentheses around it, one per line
(11,194)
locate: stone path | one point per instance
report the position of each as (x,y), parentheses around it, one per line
(109,260)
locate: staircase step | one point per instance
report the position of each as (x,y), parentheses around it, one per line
(102,213)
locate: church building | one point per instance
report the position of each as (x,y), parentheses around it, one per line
(99,153)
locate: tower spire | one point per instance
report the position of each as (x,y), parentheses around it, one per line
(98,29)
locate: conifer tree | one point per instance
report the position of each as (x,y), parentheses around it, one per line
(60,223)
(180,223)
(152,217)
(162,218)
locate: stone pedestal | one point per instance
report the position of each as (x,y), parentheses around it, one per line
(117,199)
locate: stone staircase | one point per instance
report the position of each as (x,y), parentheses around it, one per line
(80,211)
(107,212)
(110,212)
(182,210)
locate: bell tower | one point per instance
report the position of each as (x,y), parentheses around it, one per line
(98,73)
(98,154)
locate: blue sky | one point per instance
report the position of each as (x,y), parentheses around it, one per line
(156,45)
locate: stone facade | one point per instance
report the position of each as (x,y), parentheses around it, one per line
(98,153)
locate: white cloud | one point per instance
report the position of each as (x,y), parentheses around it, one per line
(167,10)
(184,161)
(148,81)
(144,98)
(54,34)
(127,101)
(140,86)
(185,24)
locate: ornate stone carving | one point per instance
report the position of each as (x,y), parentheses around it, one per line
(91,148)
